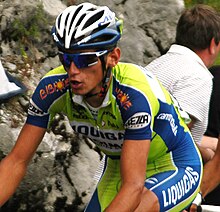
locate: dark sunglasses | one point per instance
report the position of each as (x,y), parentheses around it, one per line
(81,60)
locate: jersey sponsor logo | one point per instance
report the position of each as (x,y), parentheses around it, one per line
(81,116)
(96,133)
(55,37)
(112,124)
(107,113)
(123,99)
(169,117)
(54,87)
(174,193)
(138,121)
(34,110)
(109,119)
(108,145)
(152,180)
(79,112)
(107,19)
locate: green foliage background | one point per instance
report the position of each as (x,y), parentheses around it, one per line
(213,3)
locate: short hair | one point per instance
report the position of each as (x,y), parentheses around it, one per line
(197,26)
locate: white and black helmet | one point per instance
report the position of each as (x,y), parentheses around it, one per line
(86,26)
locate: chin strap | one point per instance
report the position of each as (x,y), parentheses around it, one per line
(105,81)
(107,75)
(88,95)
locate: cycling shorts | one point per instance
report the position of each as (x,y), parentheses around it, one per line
(175,189)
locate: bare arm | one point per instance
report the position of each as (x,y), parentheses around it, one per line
(13,166)
(206,152)
(133,170)
(207,148)
(210,179)
(192,122)
(209,142)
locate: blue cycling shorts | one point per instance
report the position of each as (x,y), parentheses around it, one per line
(175,189)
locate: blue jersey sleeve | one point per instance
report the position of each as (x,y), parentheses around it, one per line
(135,111)
(45,95)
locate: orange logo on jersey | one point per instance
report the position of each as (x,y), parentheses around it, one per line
(54,87)
(123,98)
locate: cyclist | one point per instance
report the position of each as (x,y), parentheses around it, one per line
(152,163)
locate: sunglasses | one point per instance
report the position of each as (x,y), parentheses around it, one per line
(80,60)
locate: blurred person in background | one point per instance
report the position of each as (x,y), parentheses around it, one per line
(183,70)
(210,138)
(210,188)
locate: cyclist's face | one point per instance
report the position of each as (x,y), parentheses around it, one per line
(86,79)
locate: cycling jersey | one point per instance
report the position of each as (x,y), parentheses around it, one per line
(136,107)
(183,73)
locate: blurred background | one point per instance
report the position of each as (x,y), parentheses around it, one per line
(60,176)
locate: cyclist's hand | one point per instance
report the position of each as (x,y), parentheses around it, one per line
(195,206)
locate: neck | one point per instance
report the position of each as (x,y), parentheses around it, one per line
(206,57)
(95,100)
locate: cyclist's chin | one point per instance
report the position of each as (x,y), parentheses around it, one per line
(78,92)
(83,91)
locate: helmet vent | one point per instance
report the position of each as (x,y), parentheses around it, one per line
(102,38)
(73,18)
(58,21)
(92,20)
(77,24)
(78,9)
(80,20)
(66,19)
(86,26)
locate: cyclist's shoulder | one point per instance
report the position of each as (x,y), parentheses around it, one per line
(56,71)
(56,78)
(52,86)
(126,65)
(126,70)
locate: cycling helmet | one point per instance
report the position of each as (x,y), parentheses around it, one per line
(86,26)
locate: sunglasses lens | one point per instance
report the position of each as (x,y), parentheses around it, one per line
(84,61)
(64,60)
(80,60)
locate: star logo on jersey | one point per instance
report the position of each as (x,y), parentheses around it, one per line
(54,87)
(60,85)
(123,98)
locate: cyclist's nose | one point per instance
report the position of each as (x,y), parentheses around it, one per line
(73,69)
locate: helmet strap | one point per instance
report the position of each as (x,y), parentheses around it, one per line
(105,80)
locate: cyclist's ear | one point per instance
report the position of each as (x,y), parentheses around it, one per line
(113,57)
